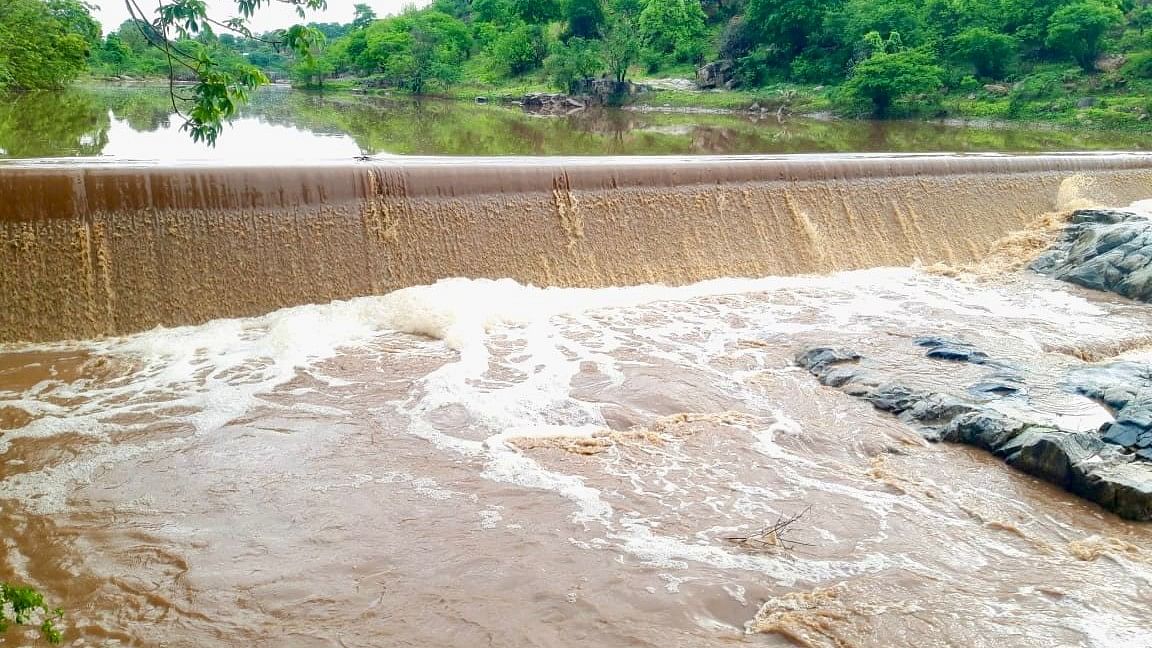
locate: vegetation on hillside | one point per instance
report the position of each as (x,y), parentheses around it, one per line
(1074,61)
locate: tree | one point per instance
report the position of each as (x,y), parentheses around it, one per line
(585,18)
(620,49)
(416,50)
(789,25)
(673,28)
(885,78)
(44,44)
(492,11)
(536,11)
(859,17)
(1078,30)
(519,50)
(570,63)
(988,52)
(364,15)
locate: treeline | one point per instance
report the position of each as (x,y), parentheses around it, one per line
(884,56)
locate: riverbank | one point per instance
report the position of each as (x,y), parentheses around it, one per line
(1053,96)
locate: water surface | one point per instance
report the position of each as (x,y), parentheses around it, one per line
(138,123)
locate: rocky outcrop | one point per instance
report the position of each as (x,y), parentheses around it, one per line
(1126,388)
(1111,467)
(553,104)
(1105,250)
(715,75)
(586,93)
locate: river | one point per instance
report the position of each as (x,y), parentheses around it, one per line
(445,456)
(137,123)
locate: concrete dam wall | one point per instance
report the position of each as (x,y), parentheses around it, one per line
(89,250)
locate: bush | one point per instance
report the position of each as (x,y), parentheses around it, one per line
(1139,65)
(886,78)
(1078,30)
(988,52)
(572,62)
(736,40)
(519,50)
(818,66)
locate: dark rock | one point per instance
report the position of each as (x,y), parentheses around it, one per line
(820,358)
(987,429)
(1102,216)
(1104,250)
(937,409)
(1052,455)
(1122,435)
(715,75)
(895,398)
(1115,384)
(945,348)
(998,385)
(1112,468)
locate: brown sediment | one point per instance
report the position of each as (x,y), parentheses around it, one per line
(1013,252)
(1101,350)
(815,619)
(1092,548)
(91,250)
(658,433)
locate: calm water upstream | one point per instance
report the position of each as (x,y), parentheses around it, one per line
(446,457)
(134,123)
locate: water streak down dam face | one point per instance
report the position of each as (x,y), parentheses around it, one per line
(93,250)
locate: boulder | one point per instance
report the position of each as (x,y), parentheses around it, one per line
(1106,251)
(1085,102)
(997,89)
(715,75)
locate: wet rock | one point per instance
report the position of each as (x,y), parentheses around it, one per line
(1106,251)
(935,409)
(896,399)
(820,358)
(1112,467)
(998,385)
(1115,384)
(1102,216)
(945,348)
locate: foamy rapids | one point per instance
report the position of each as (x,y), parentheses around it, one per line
(480,460)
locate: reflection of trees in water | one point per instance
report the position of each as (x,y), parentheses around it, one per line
(456,128)
(145,110)
(77,123)
(53,124)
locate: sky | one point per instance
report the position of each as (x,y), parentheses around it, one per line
(113,12)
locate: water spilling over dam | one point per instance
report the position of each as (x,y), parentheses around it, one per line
(477,461)
(90,250)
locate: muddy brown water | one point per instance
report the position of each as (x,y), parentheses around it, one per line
(480,462)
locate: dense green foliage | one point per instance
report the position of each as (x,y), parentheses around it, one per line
(23,606)
(988,58)
(44,44)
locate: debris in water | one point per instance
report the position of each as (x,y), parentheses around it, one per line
(773,537)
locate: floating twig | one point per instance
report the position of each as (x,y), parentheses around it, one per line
(775,536)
